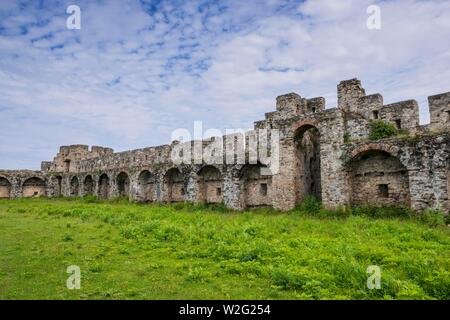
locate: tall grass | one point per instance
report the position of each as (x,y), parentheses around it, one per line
(187,250)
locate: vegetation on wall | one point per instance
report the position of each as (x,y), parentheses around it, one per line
(347,137)
(380,129)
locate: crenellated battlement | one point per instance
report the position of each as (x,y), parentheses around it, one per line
(439,111)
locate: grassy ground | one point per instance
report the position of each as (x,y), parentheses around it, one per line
(132,251)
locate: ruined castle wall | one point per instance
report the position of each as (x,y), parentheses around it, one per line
(356,126)
(439,111)
(403,115)
(332,130)
(426,163)
(256,187)
(378,178)
(323,152)
(209,185)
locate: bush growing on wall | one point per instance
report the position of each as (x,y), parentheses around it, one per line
(380,129)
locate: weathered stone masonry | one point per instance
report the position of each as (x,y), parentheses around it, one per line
(324,152)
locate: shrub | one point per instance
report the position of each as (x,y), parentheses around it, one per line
(380,129)
(432,218)
(120,200)
(310,205)
(90,199)
(288,280)
(382,212)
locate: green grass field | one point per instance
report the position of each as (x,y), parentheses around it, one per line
(133,251)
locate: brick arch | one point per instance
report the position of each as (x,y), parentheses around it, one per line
(256,186)
(74,186)
(103,186)
(206,166)
(174,188)
(34,186)
(147,186)
(376,176)
(123,184)
(375,146)
(5,187)
(88,185)
(210,184)
(304,123)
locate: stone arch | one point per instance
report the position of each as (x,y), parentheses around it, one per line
(5,188)
(307,160)
(379,178)
(210,186)
(103,186)
(88,186)
(374,146)
(174,185)
(146,187)
(34,187)
(306,123)
(123,184)
(256,186)
(74,187)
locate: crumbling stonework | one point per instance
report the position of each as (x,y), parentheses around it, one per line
(322,152)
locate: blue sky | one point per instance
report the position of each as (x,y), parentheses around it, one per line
(137,70)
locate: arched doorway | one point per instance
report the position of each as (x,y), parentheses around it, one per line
(307,156)
(74,187)
(376,177)
(256,187)
(174,186)
(88,186)
(146,187)
(59,180)
(5,188)
(210,185)
(103,186)
(33,187)
(123,184)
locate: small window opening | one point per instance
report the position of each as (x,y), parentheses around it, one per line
(263,189)
(182,191)
(448,116)
(313,109)
(219,191)
(376,114)
(398,123)
(383,190)
(67,163)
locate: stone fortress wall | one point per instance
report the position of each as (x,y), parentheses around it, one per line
(323,152)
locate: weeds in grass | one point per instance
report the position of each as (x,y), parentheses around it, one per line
(191,250)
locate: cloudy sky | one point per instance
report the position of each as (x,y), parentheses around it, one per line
(137,70)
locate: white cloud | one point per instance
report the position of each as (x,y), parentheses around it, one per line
(134,72)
